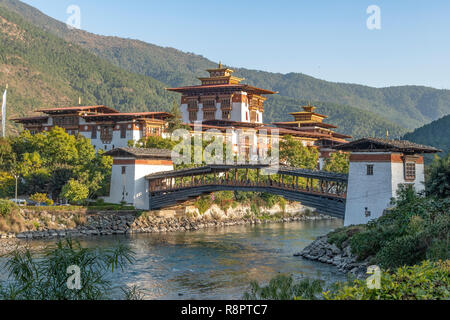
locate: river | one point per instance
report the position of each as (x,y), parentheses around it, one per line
(217,263)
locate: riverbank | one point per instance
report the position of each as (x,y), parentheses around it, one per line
(44,224)
(322,250)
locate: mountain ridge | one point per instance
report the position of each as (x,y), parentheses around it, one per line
(407,106)
(173,67)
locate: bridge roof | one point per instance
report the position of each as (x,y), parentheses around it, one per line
(385,145)
(140,153)
(314,174)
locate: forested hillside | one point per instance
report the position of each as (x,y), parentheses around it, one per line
(352,121)
(44,70)
(407,106)
(436,134)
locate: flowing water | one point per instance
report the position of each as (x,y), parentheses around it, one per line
(217,263)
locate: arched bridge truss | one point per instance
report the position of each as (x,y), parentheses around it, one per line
(325,191)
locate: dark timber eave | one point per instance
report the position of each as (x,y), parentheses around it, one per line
(291,171)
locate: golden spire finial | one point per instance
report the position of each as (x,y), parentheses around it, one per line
(220,64)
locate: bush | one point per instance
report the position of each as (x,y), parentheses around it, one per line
(203,204)
(6,207)
(417,228)
(339,236)
(283,287)
(41,198)
(438,177)
(46,278)
(427,281)
(75,191)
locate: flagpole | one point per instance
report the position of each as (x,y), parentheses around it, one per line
(4,113)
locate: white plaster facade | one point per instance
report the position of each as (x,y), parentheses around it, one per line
(240,112)
(131,186)
(373,193)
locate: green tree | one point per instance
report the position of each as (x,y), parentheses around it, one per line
(41,198)
(293,153)
(176,122)
(74,191)
(156,142)
(438,177)
(338,162)
(5,154)
(57,146)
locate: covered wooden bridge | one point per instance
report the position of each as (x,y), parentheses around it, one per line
(325,191)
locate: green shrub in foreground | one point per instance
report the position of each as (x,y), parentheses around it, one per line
(417,228)
(426,281)
(283,287)
(46,278)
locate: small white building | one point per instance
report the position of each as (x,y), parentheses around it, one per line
(130,167)
(378,167)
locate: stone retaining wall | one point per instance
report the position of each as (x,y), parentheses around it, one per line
(185,219)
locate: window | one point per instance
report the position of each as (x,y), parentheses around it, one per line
(209,104)
(94,132)
(208,115)
(193,115)
(123,131)
(370,169)
(106,134)
(124,170)
(226,114)
(410,171)
(192,104)
(225,103)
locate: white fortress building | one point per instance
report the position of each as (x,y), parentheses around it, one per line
(378,167)
(105,127)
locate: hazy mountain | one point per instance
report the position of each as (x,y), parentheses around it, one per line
(408,106)
(436,134)
(44,70)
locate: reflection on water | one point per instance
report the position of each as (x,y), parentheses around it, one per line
(218,263)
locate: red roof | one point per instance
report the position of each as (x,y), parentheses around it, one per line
(138,114)
(310,124)
(242,87)
(153,115)
(30,119)
(79,108)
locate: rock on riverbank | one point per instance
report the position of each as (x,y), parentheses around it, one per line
(323,251)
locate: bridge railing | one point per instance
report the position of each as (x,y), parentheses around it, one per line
(290,179)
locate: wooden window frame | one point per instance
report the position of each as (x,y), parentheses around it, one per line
(410,171)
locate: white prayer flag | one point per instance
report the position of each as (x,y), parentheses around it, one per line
(4,114)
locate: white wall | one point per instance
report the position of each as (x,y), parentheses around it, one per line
(185,113)
(136,186)
(375,192)
(372,192)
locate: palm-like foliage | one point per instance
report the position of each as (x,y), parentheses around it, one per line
(45,278)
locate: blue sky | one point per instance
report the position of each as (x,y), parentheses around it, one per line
(325,39)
